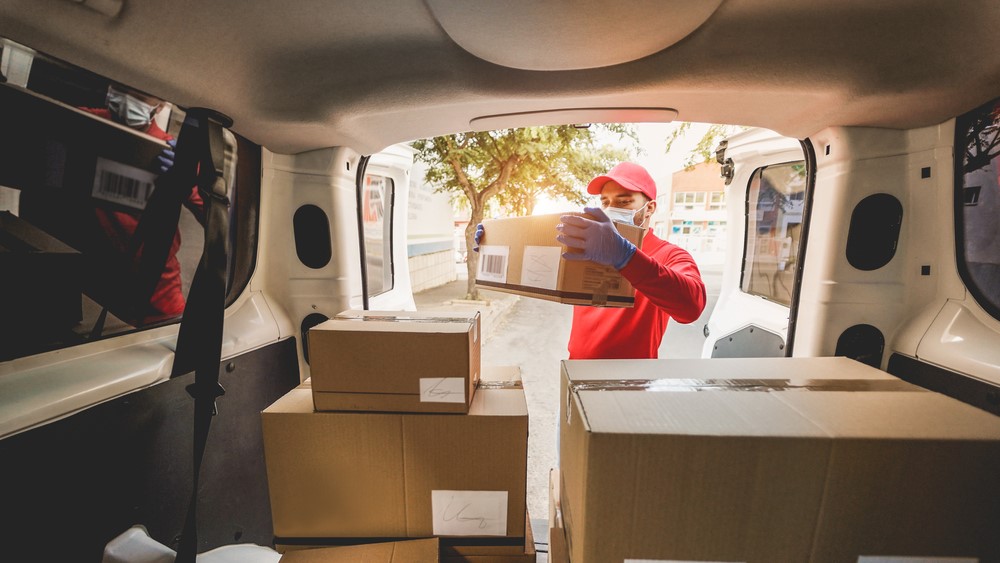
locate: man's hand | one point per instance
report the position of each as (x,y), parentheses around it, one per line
(479,236)
(598,239)
(166,157)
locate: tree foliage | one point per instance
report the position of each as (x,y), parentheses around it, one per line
(982,134)
(704,150)
(508,170)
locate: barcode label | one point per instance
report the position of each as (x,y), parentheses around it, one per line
(493,263)
(122,184)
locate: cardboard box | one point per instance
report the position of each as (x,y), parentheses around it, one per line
(492,554)
(376,475)
(557,532)
(412,551)
(521,255)
(395,361)
(458,550)
(40,289)
(762,460)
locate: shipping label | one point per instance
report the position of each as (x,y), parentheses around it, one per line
(540,266)
(469,513)
(493,263)
(122,184)
(442,390)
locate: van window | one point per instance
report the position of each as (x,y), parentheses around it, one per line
(977,203)
(78,164)
(377,220)
(775,200)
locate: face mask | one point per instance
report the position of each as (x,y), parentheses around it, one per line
(129,110)
(620,215)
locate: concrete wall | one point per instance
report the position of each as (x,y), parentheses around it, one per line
(431,270)
(430,238)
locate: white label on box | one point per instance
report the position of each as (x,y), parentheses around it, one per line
(122,184)
(469,513)
(442,390)
(540,267)
(895,559)
(493,263)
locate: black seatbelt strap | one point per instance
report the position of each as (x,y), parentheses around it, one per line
(149,245)
(199,341)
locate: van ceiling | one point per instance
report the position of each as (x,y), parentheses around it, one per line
(307,74)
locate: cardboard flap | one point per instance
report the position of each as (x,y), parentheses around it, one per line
(414,551)
(694,414)
(793,369)
(499,402)
(894,415)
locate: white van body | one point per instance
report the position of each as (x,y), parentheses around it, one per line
(863,98)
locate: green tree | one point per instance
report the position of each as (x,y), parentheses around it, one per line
(511,168)
(704,150)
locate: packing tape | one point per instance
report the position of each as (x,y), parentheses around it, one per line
(686,385)
(401,319)
(500,385)
(600,298)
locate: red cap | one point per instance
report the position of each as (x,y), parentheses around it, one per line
(630,176)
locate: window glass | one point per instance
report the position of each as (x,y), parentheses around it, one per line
(79,162)
(775,200)
(377,220)
(717,201)
(977,202)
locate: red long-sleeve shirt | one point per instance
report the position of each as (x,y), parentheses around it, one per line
(668,284)
(167,299)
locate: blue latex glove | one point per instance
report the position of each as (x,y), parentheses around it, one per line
(479,236)
(598,239)
(166,157)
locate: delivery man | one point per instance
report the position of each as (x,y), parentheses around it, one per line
(665,277)
(118,223)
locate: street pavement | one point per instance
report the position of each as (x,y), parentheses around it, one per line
(532,334)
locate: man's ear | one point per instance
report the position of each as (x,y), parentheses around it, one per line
(651,208)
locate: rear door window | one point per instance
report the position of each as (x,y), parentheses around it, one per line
(977,203)
(775,203)
(377,200)
(79,160)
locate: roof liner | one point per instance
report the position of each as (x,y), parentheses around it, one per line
(315,73)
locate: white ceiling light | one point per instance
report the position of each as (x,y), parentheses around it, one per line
(568,34)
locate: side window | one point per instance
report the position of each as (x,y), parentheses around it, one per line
(79,163)
(775,200)
(977,203)
(377,219)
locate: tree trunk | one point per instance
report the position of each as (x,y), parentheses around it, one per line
(472,257)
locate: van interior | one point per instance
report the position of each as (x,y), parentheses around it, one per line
(863,196)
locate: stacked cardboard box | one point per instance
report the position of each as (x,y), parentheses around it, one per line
(412,551)
(395,361)
(40,291)
(785,459)
(521,255)
(390,456)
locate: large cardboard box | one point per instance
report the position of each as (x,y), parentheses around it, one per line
(412,551)
(377,475)
(395,361)
(521,255)
(762,460)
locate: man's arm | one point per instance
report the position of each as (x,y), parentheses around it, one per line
(672,282)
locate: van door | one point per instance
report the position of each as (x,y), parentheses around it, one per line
(767,187)
(384,201)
